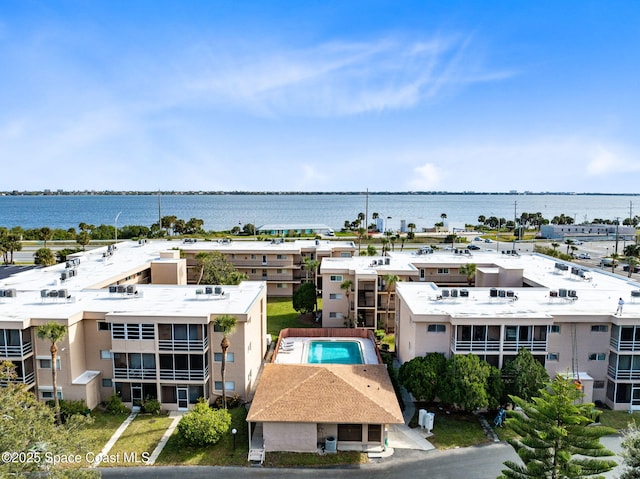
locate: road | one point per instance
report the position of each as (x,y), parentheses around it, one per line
(480,462)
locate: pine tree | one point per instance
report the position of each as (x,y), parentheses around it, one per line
(556,440)
(631,453)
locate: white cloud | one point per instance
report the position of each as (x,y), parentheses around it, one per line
(428,177)
(605,161)
(338,78)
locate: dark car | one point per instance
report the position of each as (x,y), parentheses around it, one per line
(636,269)
(472,246)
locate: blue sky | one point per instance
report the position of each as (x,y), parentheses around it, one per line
(320,95)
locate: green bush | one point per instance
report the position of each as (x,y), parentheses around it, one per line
(115,406)
(379,334)
(69,408)
(204,426)
(151,406)
(232,402)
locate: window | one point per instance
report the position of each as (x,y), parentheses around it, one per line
(554,328)
(599,328)
(598,384)
(335,278)
(104,326)
(375,433)
(217,357)
(281,285)
(443,270)
(253,256)
(107,383)
(335,315)
(345,254)
(132,331)
(436,328)
(281,256)
(335,296)
(553,357)
(47,393)
(45,363)
(254,271)
(597,356)
(421,273)
(279,271)
(105,354)
(229,385)
(350,432)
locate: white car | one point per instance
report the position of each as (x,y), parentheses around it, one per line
(584,256)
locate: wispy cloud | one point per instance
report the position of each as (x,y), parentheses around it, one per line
(339,78)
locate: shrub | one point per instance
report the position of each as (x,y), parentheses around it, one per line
(70,408)
(379,334)
(115,406)
(232,402)
(151,406)
(204,426)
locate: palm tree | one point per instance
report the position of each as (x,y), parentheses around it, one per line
(45,234)
(390,281)
(346,287)
(443,216)
(568,243)
(632,261)
(412,227)
(54,332)
(225,324)
(361,232)
(614,263)
(469,270)
(312,265)
(555,245)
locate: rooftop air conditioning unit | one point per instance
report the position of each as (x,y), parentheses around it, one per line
(10,293)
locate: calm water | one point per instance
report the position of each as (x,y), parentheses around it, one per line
(223,212)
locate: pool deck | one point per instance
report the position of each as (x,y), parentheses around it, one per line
(294,350)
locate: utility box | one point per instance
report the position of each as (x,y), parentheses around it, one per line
(429,421)
(422,418)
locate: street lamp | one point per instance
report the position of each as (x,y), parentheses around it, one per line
(234,431)
(116,224)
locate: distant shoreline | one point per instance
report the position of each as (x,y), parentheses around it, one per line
(297,193)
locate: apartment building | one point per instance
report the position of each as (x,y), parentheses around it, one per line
(563,313)
(134,328)
(369,299)
(278,262)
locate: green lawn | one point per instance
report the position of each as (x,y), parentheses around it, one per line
(220,454)
(454,430)
(96,435)
(618,419)
(305,459)
(281,315)
(142,436)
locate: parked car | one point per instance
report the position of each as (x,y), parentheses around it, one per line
(487,240)
(473,246)
(636,269)
(584,256)
(477,238)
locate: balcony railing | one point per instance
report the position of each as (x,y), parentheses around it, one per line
(184,375)
(16,351)
(531,345)
(29,380)
(183,344)
(126,373)
(624,345)
(623,374)
(479,345)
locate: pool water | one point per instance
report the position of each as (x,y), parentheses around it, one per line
(335,352)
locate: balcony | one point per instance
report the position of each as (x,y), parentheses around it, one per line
(630,345)
(628,374)
(183,344)
(531,345)
(125,373)
(480,345)
(184,375)
(16,351)
(29,380)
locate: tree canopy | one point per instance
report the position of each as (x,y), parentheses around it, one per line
(304,298)
(555,436)
(466,378)
(215,269)
(524,376)
(421,376)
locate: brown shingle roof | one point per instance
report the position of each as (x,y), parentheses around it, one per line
(360,394)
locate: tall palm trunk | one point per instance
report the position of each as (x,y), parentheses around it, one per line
(54,381)
(224,344)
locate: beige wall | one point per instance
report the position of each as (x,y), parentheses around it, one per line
(169,272)
(292,437)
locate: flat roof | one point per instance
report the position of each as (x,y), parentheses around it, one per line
(253,246)
(597,291)
(373,265)
(95,269)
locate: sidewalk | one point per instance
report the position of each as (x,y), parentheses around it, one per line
(176,415)
(114,438)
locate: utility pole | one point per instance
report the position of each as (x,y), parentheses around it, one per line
(617,224)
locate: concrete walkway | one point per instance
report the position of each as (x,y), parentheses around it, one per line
(176,415)
(116,435)
(401,436)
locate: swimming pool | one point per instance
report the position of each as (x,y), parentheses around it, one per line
(334,352)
